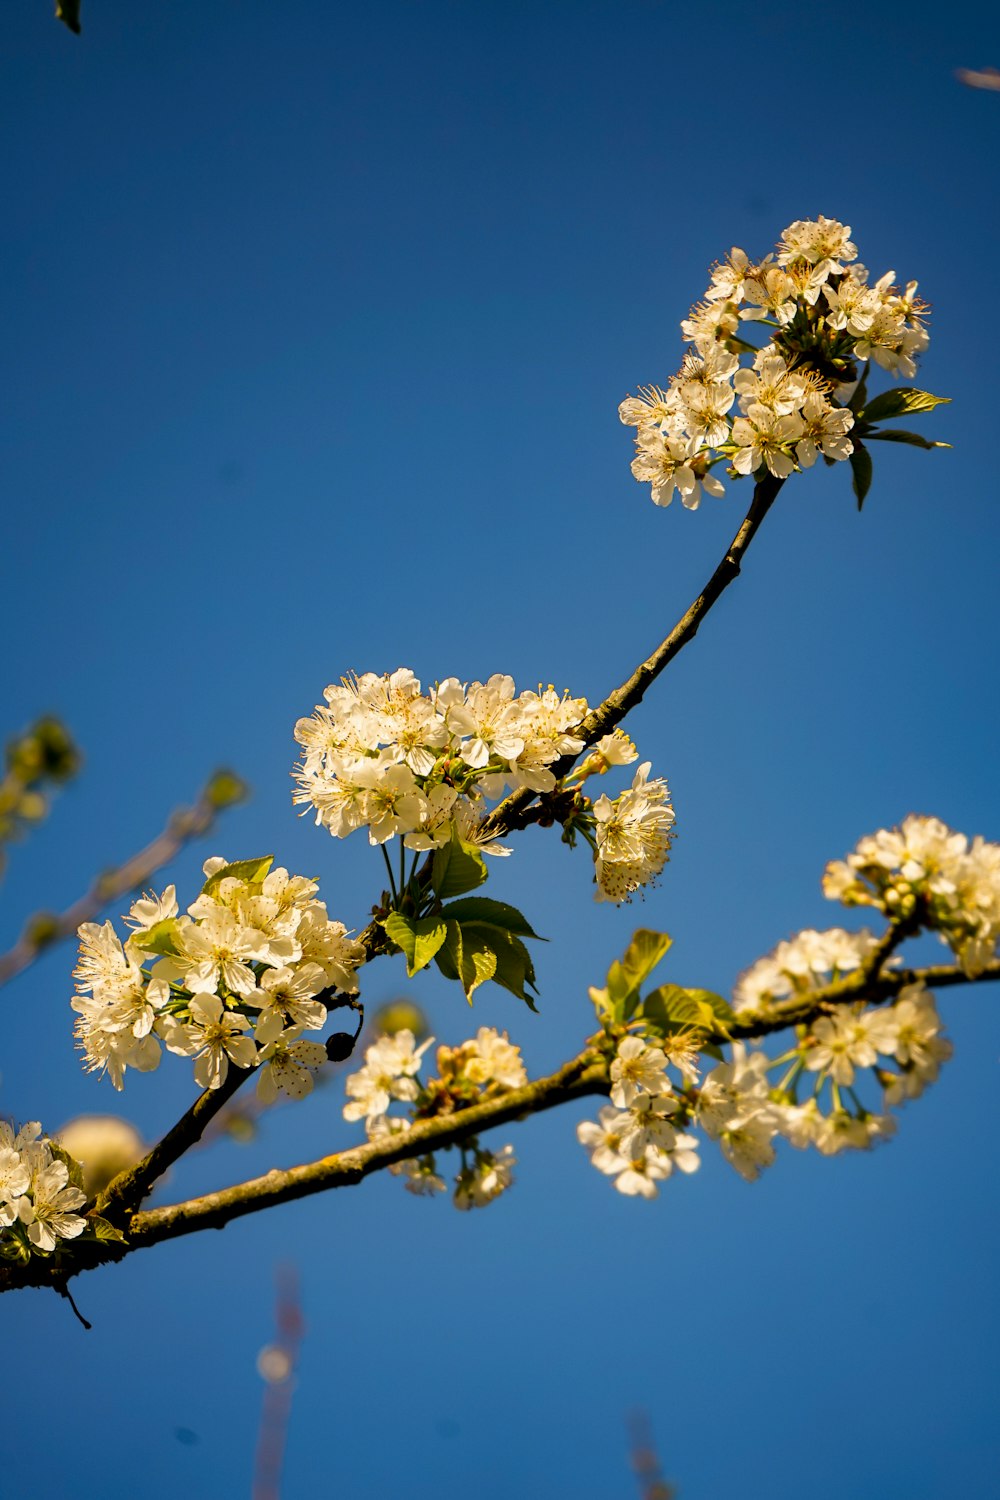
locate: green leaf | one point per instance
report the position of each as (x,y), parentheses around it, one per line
(895,435)
(68,11)
(897,402)
(641,956)
(477,951)
(709,1001)
(251,870)
(456,868)
(419,937)
(161,938)
(103,1230)
(861,470)
(860,395)
(671,1007)
(470,956)
(636,964)
(496,913)
(514,966)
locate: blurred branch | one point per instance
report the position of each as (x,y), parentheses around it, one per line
(44,755)
(276,1364)
(645,1460)
(223,790)
(981,78)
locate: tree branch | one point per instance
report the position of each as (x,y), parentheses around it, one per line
(583,1076)
(811,1004)
(128,1190)
(604,718)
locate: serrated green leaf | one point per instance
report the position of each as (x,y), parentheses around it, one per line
(103,1230)
(496,913)
(418,937)
(514,966)
(627,973)
(671,1007)
(472,957)
(717,1004)
(161,938)
(643,953)
(861,471)
(251,870)
(456,868)
(896,435)
(897,402)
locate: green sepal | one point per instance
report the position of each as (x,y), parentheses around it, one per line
(251,870)
(17,1251)
(457,867)
(861,472)
(898,402)
(896,435)
(496,913)
(102,1229)
(418,937)
(161,938)
(71,1164)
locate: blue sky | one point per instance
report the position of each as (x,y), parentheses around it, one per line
(317,319)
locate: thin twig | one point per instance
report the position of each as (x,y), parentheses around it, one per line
(601,720)
(46,928)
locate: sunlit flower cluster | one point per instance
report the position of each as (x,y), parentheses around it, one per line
(37,1198)
(814,1099)
(633,835)
(382,755)
(638,1139)
(238,979)
(482,1068)
(802,963)
(824,317)
(928,875)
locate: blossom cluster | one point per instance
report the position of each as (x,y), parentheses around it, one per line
(235,980)
(641,1137)
(637,1138)
(901,1044)
(926,874)
(383,755)
(824,315)
(802,963)
(481,1068)
(633,836)
(37,1198)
